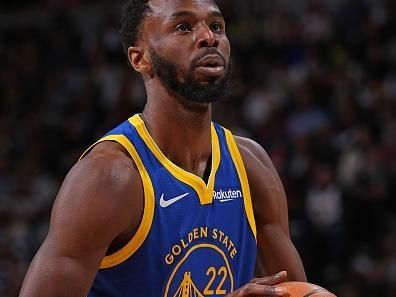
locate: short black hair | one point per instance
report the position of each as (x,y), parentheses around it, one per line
(132,15)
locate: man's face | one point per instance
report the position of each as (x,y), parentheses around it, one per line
(189,49)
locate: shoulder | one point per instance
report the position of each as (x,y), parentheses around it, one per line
(250,147)
(109,162)
(267,193)
(99,201)
(254,156)
(108,167)
(103,187)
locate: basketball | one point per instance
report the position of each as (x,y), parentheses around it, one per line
(301,289)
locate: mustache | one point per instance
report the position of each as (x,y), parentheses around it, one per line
(205,52)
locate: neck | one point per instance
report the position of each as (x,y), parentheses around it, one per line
(181,129)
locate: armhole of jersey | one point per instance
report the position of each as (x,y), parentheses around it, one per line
(145,225)
(240,167)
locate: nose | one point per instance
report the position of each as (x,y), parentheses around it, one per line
(206,37)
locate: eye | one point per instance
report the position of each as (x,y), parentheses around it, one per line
(216,27)
(183,27)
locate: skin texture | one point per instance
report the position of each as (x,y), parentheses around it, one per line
(81,235)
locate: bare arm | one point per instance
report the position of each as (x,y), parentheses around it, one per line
(276,251)
(276,255)
(94,206)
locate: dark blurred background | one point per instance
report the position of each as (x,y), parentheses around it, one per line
(314,83)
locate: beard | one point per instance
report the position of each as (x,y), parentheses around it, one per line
(190,89)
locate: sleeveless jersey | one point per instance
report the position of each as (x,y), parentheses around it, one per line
(195,238)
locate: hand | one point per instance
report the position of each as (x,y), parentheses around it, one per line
(263,286)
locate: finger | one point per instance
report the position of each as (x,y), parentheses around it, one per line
(262,290)
(271,280)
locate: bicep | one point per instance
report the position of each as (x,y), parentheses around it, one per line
(55,273)
(276,251)
(268,196)
(66,263)
(91,209)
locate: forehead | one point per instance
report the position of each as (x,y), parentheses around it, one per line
(167,8)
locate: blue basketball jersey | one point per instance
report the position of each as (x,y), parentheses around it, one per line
(195,238)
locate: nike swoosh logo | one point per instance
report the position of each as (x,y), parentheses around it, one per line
(165,203)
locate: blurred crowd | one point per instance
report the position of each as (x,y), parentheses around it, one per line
(314,82)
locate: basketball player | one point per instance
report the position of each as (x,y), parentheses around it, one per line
(169,203)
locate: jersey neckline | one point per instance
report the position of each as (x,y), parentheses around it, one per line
(203,190)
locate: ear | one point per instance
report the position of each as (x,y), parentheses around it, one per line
(139,59)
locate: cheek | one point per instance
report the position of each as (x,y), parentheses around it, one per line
(174,52)
(226,48)
(170,46)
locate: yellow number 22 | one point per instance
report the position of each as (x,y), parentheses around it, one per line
(213,273)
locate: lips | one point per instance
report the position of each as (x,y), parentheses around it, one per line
(212,60)
(211,65)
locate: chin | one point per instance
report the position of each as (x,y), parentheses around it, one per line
(208,80)
(205,79)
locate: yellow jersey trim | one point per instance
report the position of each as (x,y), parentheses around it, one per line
(149,202)
(204,191)
(240,167)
